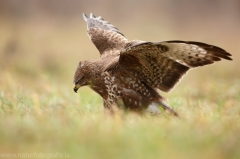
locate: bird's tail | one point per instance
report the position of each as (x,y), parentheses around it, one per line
(168,108)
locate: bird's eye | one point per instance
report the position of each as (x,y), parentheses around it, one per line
(80,80)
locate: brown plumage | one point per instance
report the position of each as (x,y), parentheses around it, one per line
(129,73)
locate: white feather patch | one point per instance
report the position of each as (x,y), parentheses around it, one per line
(153,109)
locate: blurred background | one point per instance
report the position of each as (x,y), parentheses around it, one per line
(41,43)
(48,37)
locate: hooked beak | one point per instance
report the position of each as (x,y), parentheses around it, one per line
(75,88)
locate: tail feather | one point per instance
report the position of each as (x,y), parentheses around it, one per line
(153,108)
(168,107)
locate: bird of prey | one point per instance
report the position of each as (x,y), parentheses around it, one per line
(129,73)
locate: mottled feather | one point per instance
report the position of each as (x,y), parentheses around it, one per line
(161,65)
(129,73)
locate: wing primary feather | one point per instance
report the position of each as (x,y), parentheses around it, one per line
(100,18)
(211,49)
(92,15)
(99,22)
(85,17)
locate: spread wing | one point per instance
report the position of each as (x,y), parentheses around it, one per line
(162,64)
(106,37)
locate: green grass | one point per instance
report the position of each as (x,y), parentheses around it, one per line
(40,113)
(44,115)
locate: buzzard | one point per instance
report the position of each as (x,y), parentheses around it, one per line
(129,73)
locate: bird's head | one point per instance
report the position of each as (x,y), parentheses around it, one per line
(81,76)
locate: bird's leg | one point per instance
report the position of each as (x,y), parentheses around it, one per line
(110,108)
(107,107)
